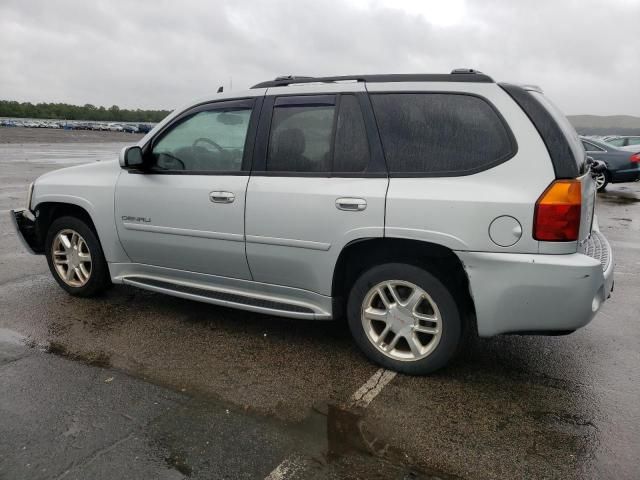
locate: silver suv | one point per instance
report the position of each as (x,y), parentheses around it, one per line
(419,207)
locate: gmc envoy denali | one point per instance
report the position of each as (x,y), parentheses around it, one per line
(419,207)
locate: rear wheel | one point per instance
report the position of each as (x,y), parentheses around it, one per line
(75,257)
(404,318)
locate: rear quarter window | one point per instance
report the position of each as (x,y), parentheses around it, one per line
(567,129)
(440,134)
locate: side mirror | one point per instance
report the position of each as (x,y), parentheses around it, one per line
(131,158)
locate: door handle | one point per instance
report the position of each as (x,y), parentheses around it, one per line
(222,197)
(351,204)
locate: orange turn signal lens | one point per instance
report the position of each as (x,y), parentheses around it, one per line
(558,211)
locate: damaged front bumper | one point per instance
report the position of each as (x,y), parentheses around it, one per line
(24,222)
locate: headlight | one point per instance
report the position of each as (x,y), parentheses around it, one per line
(29,195)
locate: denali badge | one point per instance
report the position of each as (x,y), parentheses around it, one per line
(126,218)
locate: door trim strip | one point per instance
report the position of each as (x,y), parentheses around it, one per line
(232,237)
(289,242)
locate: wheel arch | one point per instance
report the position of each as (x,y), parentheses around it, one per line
(359,255)
(47,212)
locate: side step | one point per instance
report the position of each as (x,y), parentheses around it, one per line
(225,298)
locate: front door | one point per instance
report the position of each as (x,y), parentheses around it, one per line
(185,210)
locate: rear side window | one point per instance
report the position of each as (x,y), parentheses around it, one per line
(560,138)
(567,129)
(300,138)
(322,134)
(440,134)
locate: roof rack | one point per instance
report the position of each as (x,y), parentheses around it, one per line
(457,75)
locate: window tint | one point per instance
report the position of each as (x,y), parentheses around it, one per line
(634,141)
(440,134)
(351,152)
(590,147)
(568,131)
(208,141)
(300,138)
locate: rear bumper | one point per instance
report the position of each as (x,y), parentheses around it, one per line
(25,224)
(522,293)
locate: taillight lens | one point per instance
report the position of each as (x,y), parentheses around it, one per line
(557,214)
(635,158)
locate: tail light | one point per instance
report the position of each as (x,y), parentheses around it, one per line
(557,213)
(635,158)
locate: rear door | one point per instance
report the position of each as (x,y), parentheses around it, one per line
(318,183)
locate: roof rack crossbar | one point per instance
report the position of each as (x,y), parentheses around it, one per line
(458,75)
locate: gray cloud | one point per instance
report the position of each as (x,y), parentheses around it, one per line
(160,54)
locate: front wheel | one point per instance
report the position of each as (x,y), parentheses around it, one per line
(602,180)
(404,318)
(75,257)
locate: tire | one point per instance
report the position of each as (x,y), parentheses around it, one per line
(92,276)
(432,351)
(602,180)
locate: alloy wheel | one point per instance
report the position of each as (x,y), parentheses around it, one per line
(401,320)
(71,258)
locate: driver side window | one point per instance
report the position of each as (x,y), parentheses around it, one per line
(208,141)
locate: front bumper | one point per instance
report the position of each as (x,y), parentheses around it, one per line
(533,293)
(25,225)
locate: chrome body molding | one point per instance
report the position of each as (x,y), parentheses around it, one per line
(143,227)
(289,242)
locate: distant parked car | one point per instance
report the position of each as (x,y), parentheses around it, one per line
(622,166)
(623,141)
(144,128)
(130,128)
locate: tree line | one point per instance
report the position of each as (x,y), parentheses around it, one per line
(64,111)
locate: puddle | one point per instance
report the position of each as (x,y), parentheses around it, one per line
(12,337)
(348,433)
(619,198)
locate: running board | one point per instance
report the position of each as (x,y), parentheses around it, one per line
(226,298)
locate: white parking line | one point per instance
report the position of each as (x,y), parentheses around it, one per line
(361,398)
(289,466)
(372,387)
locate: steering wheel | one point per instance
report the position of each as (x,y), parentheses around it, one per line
(173,159)
(209,141)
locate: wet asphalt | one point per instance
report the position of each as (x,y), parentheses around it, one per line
(139,385)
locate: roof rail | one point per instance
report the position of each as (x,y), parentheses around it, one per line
(457,75)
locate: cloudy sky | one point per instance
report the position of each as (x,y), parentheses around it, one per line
(159,54)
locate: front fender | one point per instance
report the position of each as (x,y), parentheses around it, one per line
(92,188)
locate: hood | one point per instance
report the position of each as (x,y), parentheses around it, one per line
(87,170)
